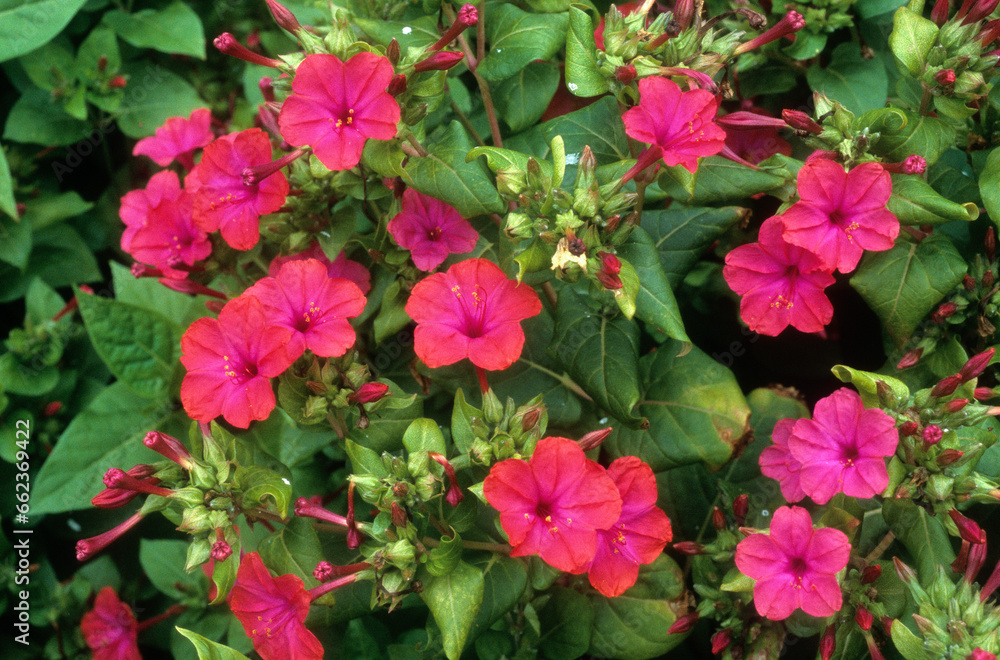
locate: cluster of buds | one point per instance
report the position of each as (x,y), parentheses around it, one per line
(825,15)
(500,431)
(327,389)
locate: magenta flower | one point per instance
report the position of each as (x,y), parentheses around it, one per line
(335,106)
(230,361)
(178,139)
(639,536)
(781,284)
(110,629)
(471,311)
(778,463)
(223,200)
(339,267)
(159,229)
(843,448)
(794,566)
(553,504)
(431,230)
(273,611)
(841,214)
(312,306)
(677,123)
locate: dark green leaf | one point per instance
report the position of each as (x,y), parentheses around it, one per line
(922,534)
(42,303)
(281,438)
(294,550)
(444,559)
(952,176)
(989,186)
(517,38)
(424,435)
(911,40)
(903,284)
(59,256)
(209,650)
(15,241)
(869,8)
(454,600)
(154,95)
(859,84)
(163,563)
(386,429)
(26,379)
(655,303)
(521,99)
(148,293)
(807,45)
(718,180)
(52,66)
(417,33)
(505,579)
(175,29)
(35,120)
(7,202)
(567,620)
(928,137)
(52,208)
(27,24)
(262,486)
(582,71)
(364,460)
(915,203)
(682,234)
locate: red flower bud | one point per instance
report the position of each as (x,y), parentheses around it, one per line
(946,386)
(945,77)
(438,61)
(467,16)
(720,640)
(221,551)
(397,85)
(718,518)
(905,573)
(285,19)
(369,393)
(990,243)
(968,282)
(949,456)
(967,528)
(169,447)
(976,364)
(946,310)
(228,45)
(911,357)
(625,74)
(801,121)
(683,623)
(399,517)
(790,24)
(988,279)
(689,548)
(52,408)
(117,82)
(939,13)
(828,643)
(323,571)
(863,618)
(871,573)
(741,506)
(909,428)
(955,405)
(979,654)
(594,438)
(932,435)
(454,495)
(983,394)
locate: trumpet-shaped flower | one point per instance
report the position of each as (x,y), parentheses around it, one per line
(778,463)
(841,214)
(553,504)
(431,230)
(336,106)
(471,311)
(339,267)
(781,284)
(110,628)
(178,139)
(794,566)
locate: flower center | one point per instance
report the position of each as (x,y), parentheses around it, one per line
(473,310)
(434,234)
(347,119)
(798,567)
(308,317)
(238,372)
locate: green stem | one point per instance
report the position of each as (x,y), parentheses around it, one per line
(499,548)
(925,100)
(464,121)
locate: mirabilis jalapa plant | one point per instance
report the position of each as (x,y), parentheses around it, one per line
(472,328)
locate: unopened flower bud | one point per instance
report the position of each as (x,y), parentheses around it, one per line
(801,121)
(988,279)
(968,282)
(467,16)
(683,623)
(990,243)
(323,571)
(438,61)
(454,494)
(285,19)
(949,456)
(945,77)
(946,386)
(946,310)
(741,506)
(863,618)
(718,518)
(939,13)
(911,357)
(228,45)
(905,573)
(908,428)
(399,517)
(594,439)
(221,551)
(689,548)
(828,643)
(790,24)
(117,82)
(720,640)
(956,405)
(871,573)
(170,447)
(967,528)
(983,394)
(52,408)
(102,63)
(369,393)
(979,654)
(397,85)
(932,435)
(625,74)
(531,419)
(976,364)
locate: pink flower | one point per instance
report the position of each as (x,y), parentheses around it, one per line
(841,214)
(312,306)
(794,566)
(230,361)
(843,448)
(110,629)
(273,612)
(223,200)
(335,106)
(471,311)
(639,536)
(431,230)
(177,139)
(339,267)
(678,123)
(553,504)
(159,229)
(781,284)
(778,463)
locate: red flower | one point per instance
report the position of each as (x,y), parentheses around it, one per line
(553,504)
(339,267)
(223,200)
(431,230)
(471,311)
(230,361)
(678,123)
(781,284)
(639,536)
(335,106)
(110,629)
(841,214)
(312,306)
(273,612)
(177,139)
(778,463)
(159,229)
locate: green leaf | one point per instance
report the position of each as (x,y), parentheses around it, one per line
(140,347)
(807,45)
(859,84)
(15,241)
(909,645)
(867,384)
(911,40)
(718,180)
(522,99)
(567,620)
(296,549)
(387,427)
(417,33)
(424,435)
(209,650)
(655,303)
(281,438)
(101,42)
(696,412)
(928,137)
(682,234)
(915,203)
(261,485)
(870,8)
(922,534)
(35,120)
(583,76)
(154,96)
(364,460)
(51,66)
(42,303)
(505,580)
(148,293)
(55,207)
(175,29)
(502,161)
(163,563)
(903,284)
(59,256)
(517,38)
(989,186)
(454,600)
(446,175)
(27,24)
(600,354)
(7,202)
(26,379)
(107,434)
(462,414)
(444,559)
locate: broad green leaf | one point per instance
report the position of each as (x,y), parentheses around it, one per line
(870,8)
(364,460)
(909,645)
(148,293)
(521,99)
(153,96)
(15,241)
(696,412)
(27,24)
(807,45)
(928,137)
(175,29)
(209,650)
(655,304)
(567,620)
(583,77)
(600,354)
(417,33)
(516,38)
(59,256)
(505,579)
(462,414)
(281,438)
(107,434)
(294,550)
(681,235)
(867,384)
(386,429)
(54,207)
(7,202)
(903,284)
(989,186)
(261,486)
(454,600)
(503,161)
(42,303)
(52,66)
(35,120)
(952,176)
(26,379)
(859,84)
(424,435)
(444,174)
(140,347)
(718,180)
(443,559)
(922,534)
(915,203)
(162,561)
(100,43)
(911,40)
